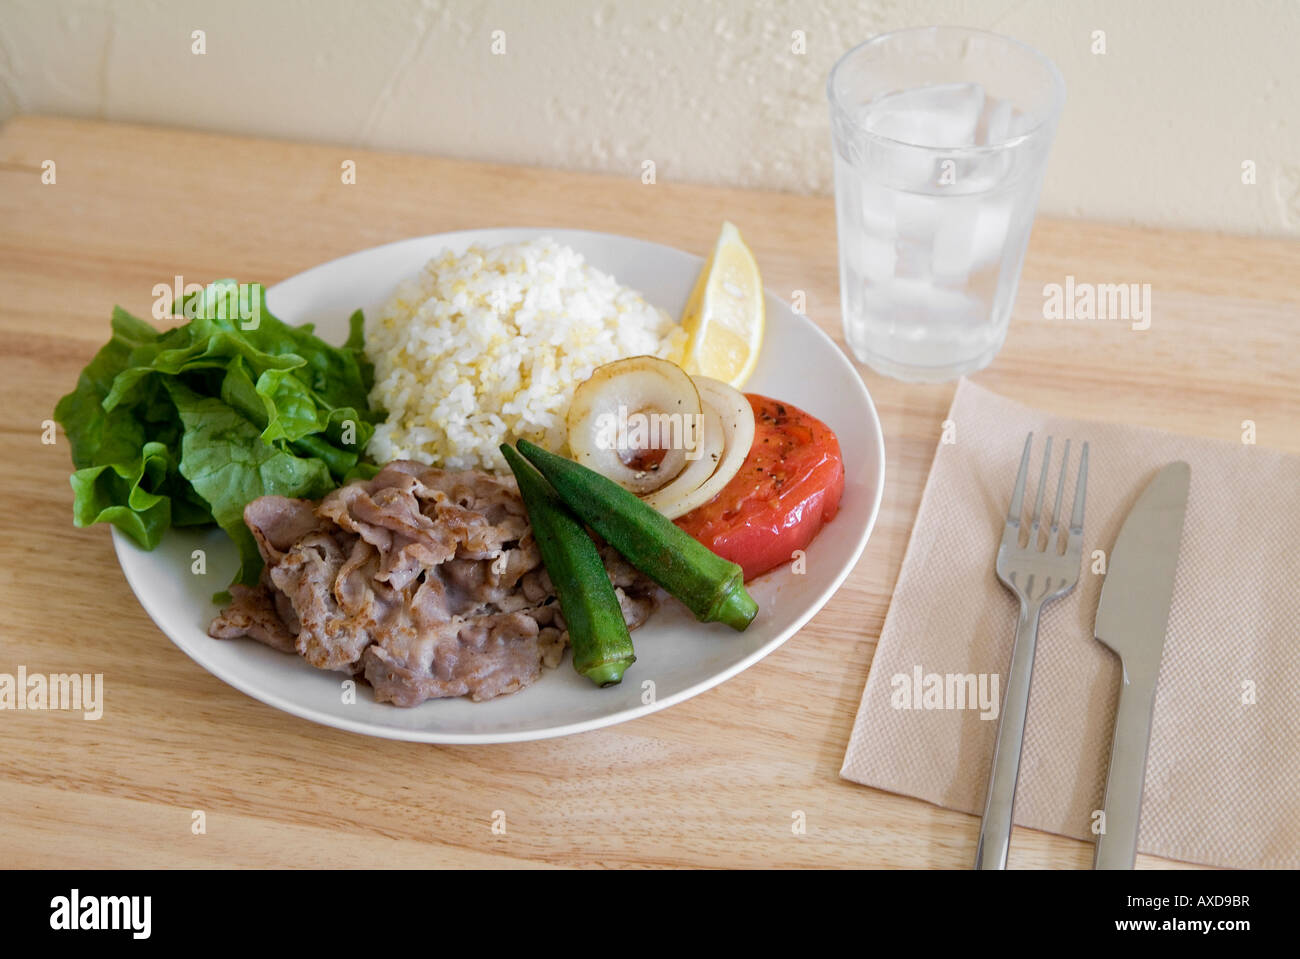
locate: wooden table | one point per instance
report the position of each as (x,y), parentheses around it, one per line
(711,782)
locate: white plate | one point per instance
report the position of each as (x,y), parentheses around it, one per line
(676,657)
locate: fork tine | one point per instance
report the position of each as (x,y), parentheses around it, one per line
(1038,497)
(1080,492)
(1056,510)
(1018,494)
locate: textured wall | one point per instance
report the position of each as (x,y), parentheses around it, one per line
(1155,130)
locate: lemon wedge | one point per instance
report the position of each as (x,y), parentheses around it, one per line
(724,318)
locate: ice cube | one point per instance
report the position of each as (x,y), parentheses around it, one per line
(970,236)
(950,256)
(990,236)
(939,115)
(1020,123)
(982,172)
(919,214)
(878,206)
(906,167)
(995,122)
(912,259)
(876,258)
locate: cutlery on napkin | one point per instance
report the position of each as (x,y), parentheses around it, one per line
(1222,783)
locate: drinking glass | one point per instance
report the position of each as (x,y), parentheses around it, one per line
(941,137)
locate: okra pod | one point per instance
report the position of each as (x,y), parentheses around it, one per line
(602,648)
(711,587)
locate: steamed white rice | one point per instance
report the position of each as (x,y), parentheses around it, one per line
(487,346)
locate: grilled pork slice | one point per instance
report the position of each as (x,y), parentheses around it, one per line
(425,582)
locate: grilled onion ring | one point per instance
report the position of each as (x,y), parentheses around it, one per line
(609,399)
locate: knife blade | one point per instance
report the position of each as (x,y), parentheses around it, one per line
(1132,617)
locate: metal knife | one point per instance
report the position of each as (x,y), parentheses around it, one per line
(1131,620)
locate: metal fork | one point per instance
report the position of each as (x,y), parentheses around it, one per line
(1036,576)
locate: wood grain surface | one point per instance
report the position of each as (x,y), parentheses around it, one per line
(711,782)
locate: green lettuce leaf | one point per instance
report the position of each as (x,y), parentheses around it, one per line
(186,427)
(102,436)
(119,493)
(225,460)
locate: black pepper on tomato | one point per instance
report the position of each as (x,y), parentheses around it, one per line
(788,488)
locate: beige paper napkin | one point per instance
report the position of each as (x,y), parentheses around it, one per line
(1223,771)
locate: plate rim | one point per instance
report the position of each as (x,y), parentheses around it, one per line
(121,544)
